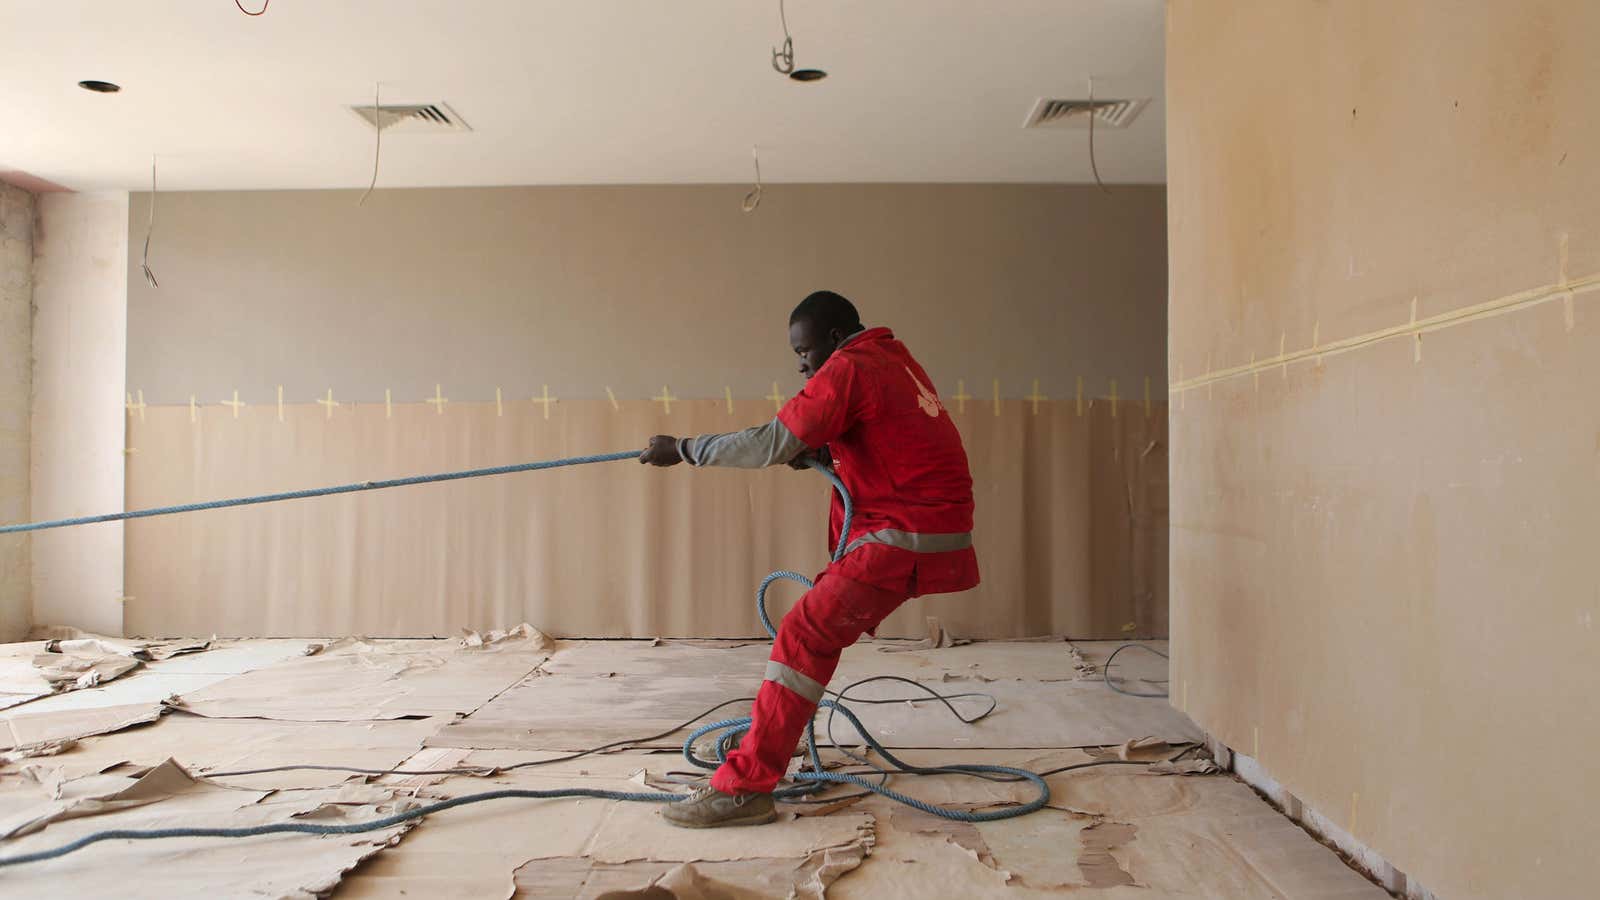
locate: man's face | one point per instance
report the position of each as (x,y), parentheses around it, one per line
(811,345)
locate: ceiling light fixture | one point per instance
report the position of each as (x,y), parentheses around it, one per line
(100,87)
(783,60)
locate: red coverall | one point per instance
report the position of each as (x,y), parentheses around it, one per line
(900,455)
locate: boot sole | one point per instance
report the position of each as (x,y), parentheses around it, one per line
(758,819)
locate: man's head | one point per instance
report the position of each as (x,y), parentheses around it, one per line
(818,325)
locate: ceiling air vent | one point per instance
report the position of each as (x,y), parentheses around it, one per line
(1051,113)
(423,118)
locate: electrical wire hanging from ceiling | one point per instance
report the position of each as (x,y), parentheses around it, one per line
(1094,113)
(753,199)
(264,5)
(377,146)
(150,229)
(783,60)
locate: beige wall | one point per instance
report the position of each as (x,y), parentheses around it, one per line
(634,288)
(16,389)
(79,363)
(1382,549)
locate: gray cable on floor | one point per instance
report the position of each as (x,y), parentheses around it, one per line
(1106,671)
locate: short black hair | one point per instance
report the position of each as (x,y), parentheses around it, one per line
(826,310)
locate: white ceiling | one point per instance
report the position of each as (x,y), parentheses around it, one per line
(576,92)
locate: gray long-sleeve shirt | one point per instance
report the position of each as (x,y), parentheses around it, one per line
(772,444)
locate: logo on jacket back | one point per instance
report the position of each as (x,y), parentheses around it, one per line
(928,400)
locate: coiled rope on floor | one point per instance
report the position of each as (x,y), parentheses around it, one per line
(804,782)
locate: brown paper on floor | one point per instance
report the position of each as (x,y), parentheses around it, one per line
(1061,549)
(281,865)
(472,851)
(631,831)
(20,730)
(750,879)
(596,692)
(20,679)
(1207,837)
(93,795)
(361,679)
(980,660)
(70,671)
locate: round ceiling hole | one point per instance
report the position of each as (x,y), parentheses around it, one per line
(808,75)
(100,87)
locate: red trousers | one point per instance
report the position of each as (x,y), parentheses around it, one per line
(829,618)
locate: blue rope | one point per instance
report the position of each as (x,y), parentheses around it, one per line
(806,782)
(321,492)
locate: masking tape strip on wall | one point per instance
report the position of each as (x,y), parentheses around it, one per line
(1415,329)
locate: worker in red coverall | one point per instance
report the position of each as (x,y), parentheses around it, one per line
(869,406)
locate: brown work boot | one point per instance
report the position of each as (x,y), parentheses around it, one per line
(711,808)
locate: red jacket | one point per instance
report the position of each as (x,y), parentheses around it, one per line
(899,454)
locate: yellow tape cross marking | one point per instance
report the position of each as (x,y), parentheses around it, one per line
(1035,397)
(1569,315)
(665,400)
(438,399)
(234,403)
(962,396)
(727,394)
(776,398)
(1416,335)
(997,396)
(132,406)
(329,403)
(545,399)
(388,404)
(280,403)
(615,406)
(499,408)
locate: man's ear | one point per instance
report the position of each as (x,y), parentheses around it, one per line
(836,335)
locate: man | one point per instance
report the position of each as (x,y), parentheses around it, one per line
(871,407)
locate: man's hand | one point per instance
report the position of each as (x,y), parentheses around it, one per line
(821,455)
(663,451)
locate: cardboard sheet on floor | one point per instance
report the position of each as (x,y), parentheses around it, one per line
(21,729)
(360,679)
(998,660)
(472,851)
(1145,836)
(283,865)
(102,793)
(745,879)
(20,679)
(213,745)
(1029,714)
(574,712)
